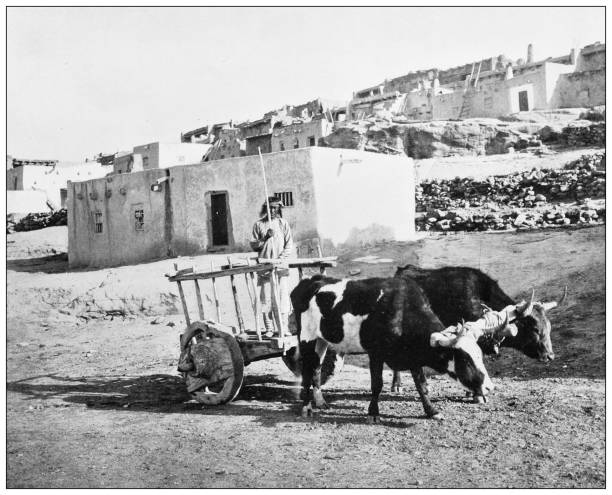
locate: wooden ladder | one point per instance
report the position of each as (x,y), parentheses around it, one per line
(469,93)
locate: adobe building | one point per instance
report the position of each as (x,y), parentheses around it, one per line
(300,134)
(490,88)
(36,179)
(332,196)
(158,155)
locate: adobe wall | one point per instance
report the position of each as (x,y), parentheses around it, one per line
(116,197)
(172,154)
(580,89)
(241,178)
(363,196)
(303,131)
(51,179)
(150,155)
(177,218)
(14,179)
(335,203)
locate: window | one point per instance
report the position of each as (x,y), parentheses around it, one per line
(139,218)
(285,197)
(98,222)
(282,146)
(15,187)
(296,143)
(145,162)
(311,141)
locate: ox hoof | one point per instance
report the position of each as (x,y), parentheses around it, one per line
(437,416)
(479,399)
(319,401)
(397,388)
(307,412)
(373,420)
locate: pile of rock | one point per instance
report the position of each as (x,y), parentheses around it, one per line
(593,134)
(517,201)
(583,178)
(35,221)
(440,220)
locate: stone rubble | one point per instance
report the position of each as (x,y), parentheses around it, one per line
(532,199)
(35,221)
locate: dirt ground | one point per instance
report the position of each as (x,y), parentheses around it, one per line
(98,402)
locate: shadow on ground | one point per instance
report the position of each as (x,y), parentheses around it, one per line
(55,263)
(270,399)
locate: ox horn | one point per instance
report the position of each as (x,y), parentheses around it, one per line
(550,305)
(526,310)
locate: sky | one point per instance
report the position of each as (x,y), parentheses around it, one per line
(85,80)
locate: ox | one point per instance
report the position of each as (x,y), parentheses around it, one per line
(459,293)
(390,320)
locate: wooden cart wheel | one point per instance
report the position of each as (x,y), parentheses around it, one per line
(332,364)
(219,366)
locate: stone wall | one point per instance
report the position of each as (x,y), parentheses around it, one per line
(581,89)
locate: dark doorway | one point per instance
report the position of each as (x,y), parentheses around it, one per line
(218,209)
(523,101)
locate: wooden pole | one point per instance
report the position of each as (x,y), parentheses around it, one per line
(183,302)
(214,286)
(236,302)
(250,281)
(276,313)
(199,297)
(263,172)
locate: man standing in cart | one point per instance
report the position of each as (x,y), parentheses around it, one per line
(272,240)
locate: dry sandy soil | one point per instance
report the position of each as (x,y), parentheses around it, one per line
(98,402)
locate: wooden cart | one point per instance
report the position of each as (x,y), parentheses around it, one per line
(213,353)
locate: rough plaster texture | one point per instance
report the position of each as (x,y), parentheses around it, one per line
(581,89)
(286,136)
(375,193)
(115,198)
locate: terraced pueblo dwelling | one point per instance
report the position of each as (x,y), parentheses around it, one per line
(331,195)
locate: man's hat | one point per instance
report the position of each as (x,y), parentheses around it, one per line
(273,200)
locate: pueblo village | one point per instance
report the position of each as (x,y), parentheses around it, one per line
(403,287)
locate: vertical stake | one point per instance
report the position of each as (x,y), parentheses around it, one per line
(214,286)
(236,303)
(199,297)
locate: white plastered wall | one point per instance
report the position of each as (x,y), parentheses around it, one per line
(362,196)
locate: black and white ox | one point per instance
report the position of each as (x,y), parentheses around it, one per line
(390,320)
(458,293)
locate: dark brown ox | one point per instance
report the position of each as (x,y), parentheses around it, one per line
(458,293)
